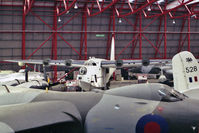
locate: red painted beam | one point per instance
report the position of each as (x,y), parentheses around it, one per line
(108,37)
(85,35)
(23,52)
(165,36)
(189,25)
(140,35)
(39,47)
(139,9)
(54,43)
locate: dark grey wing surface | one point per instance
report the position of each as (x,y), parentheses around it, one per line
(68,62)
(26,61)
(53,116)
(133,63)
(120,63)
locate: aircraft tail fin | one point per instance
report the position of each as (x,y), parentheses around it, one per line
(185,71)
(112,56)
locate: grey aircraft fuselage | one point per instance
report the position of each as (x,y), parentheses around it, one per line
(143,108)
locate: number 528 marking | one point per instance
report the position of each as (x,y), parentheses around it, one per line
(191,69)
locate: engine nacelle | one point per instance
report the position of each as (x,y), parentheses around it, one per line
(162,78)
(145,62)
(68,62)
(119,63)
(46,62)
(21,64)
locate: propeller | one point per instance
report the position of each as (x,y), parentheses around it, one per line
(68,62)
(119,63)
(162,77)
(45,64)
(145,62)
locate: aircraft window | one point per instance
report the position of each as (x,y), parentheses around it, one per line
(94,64)
(170,95)
(82,71)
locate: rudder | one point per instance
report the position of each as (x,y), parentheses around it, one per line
(185,71)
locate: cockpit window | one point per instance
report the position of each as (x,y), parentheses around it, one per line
(170,95)
(90,63)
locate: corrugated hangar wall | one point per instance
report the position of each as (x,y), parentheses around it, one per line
(136,36)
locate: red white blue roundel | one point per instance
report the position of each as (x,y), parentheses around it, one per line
(152,124)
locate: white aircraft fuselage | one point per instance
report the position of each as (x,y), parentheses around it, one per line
(92,75)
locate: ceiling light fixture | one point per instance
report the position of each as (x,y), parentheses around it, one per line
(120,20)
(174,21)
(75,7)
(59,19)
(149,9)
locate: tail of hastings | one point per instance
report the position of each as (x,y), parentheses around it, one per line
(112,57)
(185,71)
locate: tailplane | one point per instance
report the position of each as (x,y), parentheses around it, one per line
(185,71)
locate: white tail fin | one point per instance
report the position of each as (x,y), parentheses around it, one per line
(185,71)
(112,57)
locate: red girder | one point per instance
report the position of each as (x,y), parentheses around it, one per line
(122,8)
(68,7)
(139,9)
(23,54)
(180,40)
(39,47)
(54,44)
(158,41)
(109,37)
(165,36)
(105,8)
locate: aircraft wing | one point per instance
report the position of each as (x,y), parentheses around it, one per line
(40,116)
(133,63)
(69,62)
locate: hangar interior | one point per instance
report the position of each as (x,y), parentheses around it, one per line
(79,29)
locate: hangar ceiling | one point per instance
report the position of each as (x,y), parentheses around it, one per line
(78,29)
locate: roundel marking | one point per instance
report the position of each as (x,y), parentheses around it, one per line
(152,124)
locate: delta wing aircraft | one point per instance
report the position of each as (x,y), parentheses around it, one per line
(164,70)
(186,74)
(142,108)
(94,72)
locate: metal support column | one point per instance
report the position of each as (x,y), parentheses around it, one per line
(85,33)
(23,52)
(180,45)
(82,37)
(189,33)
(140,35)
(134,43)
(54,43)
(109,37)
(165,36)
